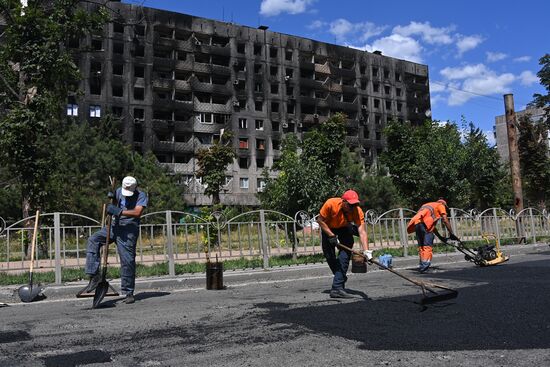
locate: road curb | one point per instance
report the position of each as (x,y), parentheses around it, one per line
(8,294)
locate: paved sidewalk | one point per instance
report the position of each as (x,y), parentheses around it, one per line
(8,294)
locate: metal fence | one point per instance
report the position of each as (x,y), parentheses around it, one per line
(178,237)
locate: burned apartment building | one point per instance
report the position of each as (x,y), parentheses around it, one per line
(177,80)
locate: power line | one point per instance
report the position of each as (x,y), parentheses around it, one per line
(474,93)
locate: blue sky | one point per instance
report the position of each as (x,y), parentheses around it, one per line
(476,51)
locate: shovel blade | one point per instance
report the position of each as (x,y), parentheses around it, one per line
(100,293)
(29,293)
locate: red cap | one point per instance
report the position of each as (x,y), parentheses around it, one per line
(442,201)
(351,197)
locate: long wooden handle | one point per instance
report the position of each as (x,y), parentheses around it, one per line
(108,229)
(33,242)
(372,261)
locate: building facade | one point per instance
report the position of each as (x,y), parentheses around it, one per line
(501,133)
(176,80)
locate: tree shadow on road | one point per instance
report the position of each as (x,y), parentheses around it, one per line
(503,307)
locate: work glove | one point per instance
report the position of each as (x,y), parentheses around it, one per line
(452,237)
(368,254)
(333,240)
(114,210)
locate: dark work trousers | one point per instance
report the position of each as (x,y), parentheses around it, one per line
(339,265)
(125,237)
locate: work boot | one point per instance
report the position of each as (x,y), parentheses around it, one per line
(339,293)
(92,285)
(424,269)
(129,298)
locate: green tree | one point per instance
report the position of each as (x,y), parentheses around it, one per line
(534,160)
(90,153)
(426,162)
(541,100)
(483,170)
(213,162)
(307,170)
(37,70)
(378,191)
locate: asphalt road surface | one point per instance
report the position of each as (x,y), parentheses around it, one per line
(500,318)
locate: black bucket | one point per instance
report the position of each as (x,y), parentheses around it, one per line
(214,275)
(358,264)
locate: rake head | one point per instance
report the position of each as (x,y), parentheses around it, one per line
(434,297)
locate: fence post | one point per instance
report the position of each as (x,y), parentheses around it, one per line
(57,246)
(264,240)
(170,244)
(533,231)
(497,229)
(453,225)
(403,232)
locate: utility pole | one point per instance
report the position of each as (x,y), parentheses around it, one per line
(511,128)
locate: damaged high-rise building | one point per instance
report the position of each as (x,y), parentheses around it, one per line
(176,80)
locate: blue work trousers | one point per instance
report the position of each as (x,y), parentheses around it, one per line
(125,237)
(339,265)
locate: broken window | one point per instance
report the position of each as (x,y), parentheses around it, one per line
(97,45)
(260,144)
(118,48)
(243,163)
(259,124)
(118,91)
(139,93)
(243,123)
(241,48)
(258,105)
(288,55)
(257,49)
(118,69)
(139,51)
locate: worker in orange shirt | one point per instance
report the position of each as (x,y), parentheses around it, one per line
(424,226)
(340,219)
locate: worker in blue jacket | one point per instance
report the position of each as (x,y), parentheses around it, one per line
(130,204)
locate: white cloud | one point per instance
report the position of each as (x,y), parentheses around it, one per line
(429,34)
(436,87)
(480,86)
(435,99)
(467,43)
(343,29)
(465,72)
(522,59)
(470,81)
(317,24)
(495,56)
(528,78)
(275,7)
(397,46)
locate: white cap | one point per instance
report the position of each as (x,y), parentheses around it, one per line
(129,185)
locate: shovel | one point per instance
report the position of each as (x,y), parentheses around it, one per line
(429,290)
(28,293)
(103,286)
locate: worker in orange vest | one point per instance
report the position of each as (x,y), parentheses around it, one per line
(340,219)
(424,225)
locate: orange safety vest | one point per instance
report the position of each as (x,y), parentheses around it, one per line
(427,215)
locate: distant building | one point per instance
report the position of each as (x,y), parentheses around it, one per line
(501,135)
(176,80)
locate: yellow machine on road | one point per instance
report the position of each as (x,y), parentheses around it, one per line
(486,255)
